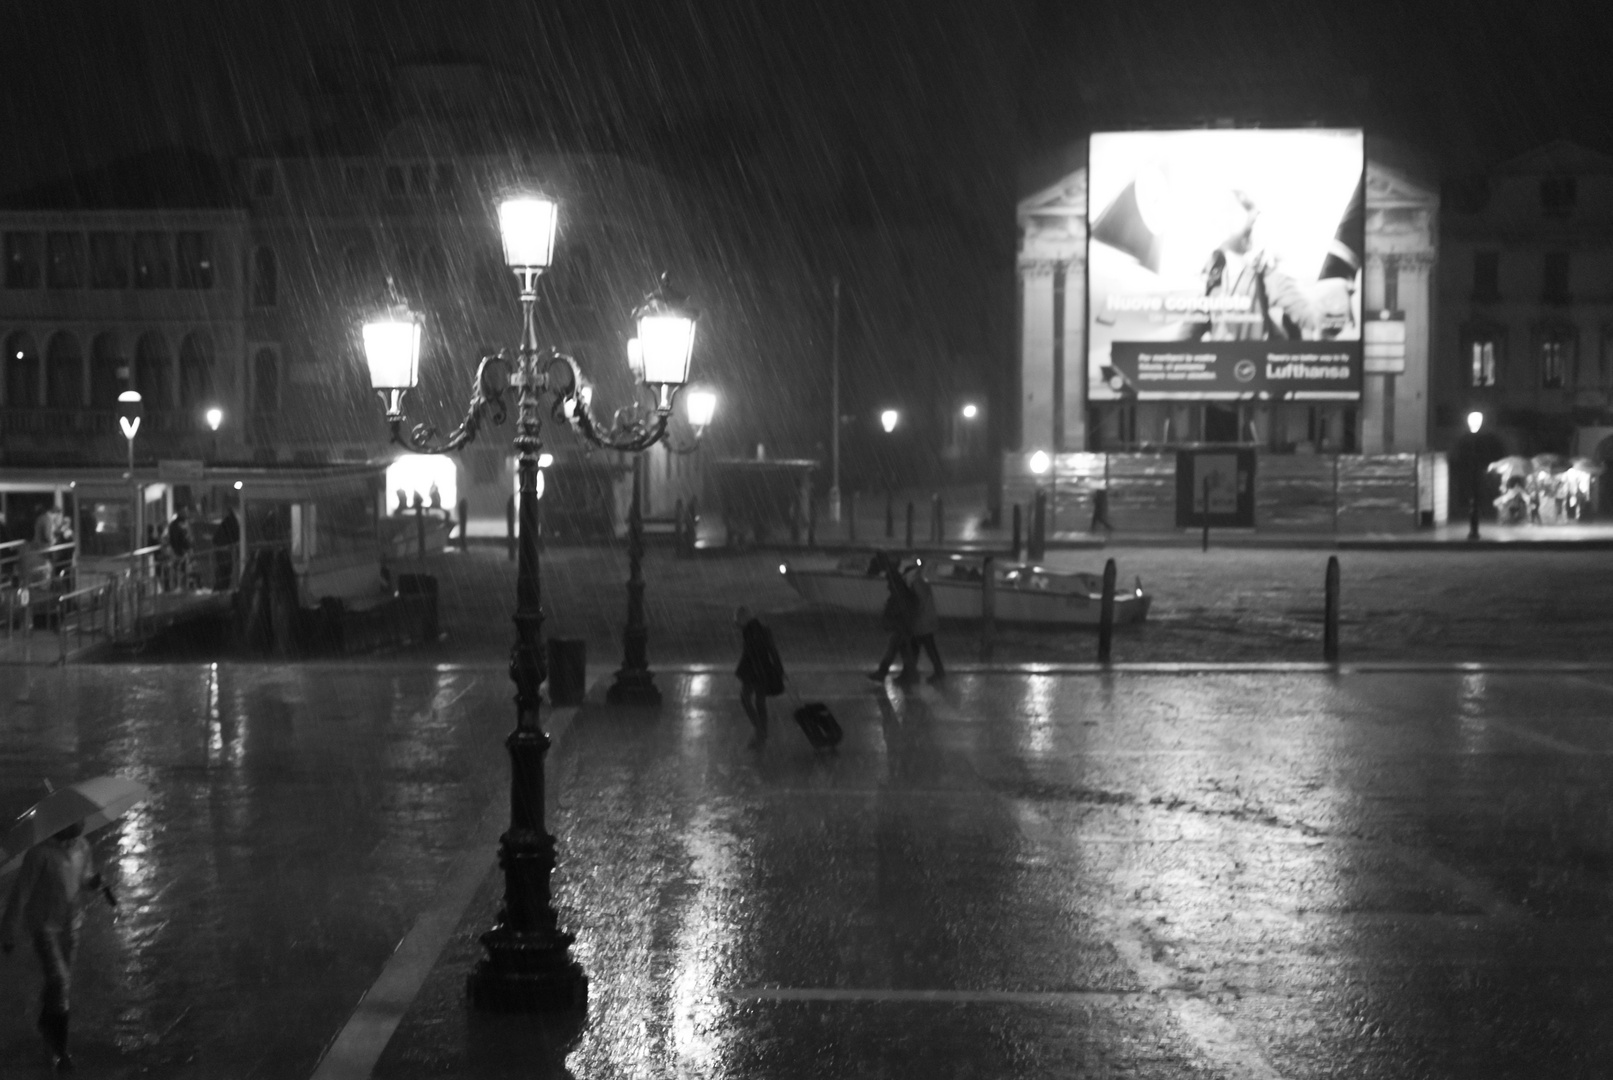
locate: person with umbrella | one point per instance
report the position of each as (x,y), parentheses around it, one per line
(57,878)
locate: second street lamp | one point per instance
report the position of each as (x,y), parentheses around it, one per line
(634,683)
(527,964)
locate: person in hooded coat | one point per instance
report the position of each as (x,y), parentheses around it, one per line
(47,901)
(760,671)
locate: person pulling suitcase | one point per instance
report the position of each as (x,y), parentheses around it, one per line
(760,671)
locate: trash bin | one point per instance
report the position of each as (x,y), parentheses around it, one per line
(568,671)
(419,593)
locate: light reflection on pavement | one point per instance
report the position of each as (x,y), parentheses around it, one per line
(1155,875)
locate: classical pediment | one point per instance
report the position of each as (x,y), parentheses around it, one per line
(1389,187)
(1067,197)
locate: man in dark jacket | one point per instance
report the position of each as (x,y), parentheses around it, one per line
(760,671)
(901,608)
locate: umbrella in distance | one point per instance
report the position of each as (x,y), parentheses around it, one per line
(95,803)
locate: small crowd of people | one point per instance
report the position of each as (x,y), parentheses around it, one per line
(180,565)
(909,618)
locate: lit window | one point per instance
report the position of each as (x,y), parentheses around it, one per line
(1556,348)
(1482,356)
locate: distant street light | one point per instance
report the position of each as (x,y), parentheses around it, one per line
(528,965)
(1475,420)
(1040,462)
(888,420)
(970,411)
(215,417)
(130,410)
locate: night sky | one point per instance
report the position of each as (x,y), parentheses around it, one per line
(824,118)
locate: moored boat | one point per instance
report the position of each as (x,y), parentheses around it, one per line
(1024,593)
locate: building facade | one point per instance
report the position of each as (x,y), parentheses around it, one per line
(1525,333)
(1126,444)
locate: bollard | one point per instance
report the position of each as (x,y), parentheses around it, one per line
(464,525)
(909,526)
(420,526)
(988,604)
(1206,542)
(509,526)
(693,532)
(937,523)
(1330,614)
(851,515)
(890,514)
(1106,613)
(1019,533)
(1036,547)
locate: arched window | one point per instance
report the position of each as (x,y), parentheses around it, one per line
(151,375)
(22,371)
(105,381)
(265,382)
(195,370)
(64,372)
(265,278)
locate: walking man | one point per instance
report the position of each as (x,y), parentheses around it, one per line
(897,619)
(760,671)
(54,884)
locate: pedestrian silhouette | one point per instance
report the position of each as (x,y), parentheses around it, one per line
(760,671)
(47,901)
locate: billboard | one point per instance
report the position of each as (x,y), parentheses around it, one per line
(1225,264)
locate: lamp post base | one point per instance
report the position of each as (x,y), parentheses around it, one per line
(527,972)
(634,688)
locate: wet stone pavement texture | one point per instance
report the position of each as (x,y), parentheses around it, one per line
(1133,874)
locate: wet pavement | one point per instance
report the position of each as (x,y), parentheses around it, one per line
(1197,873)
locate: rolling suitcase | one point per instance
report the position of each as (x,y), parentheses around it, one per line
(819,725)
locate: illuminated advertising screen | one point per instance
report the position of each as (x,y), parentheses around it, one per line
(1225,265)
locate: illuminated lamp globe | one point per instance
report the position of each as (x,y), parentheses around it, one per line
(1040,462)
(215,417)
(635,359)
(970,411)
(392,348)
(1475,420)
(888,420)
(528,224)
(130,410)
(701,406)
(666,338)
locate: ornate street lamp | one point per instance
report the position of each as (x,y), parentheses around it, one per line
(1475,420)
(130,410)
(634,683)
(528,966)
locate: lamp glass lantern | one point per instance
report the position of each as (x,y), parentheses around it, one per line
(528,224)
(701,406)
(888,420)
(1475,420)
(635,359)
(666,325)
(130,409)
(392,348)
(214,417)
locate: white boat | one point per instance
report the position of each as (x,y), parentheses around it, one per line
(1023,594)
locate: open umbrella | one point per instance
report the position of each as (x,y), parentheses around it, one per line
(1508,467)
(94,802)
